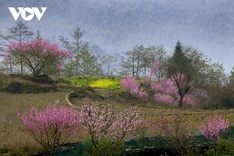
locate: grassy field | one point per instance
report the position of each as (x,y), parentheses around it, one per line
(13,136)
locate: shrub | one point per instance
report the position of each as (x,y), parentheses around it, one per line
(174,132)
(107,128)
(213,128)
(4,150)
(52,126)
(131,85)
(227,97)
(224,147)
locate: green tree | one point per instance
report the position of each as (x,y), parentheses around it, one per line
(107,62)
(140,59)
(231,79)
(179,62)
(132,63)
(200,64)
(74,44)
(226,95)
(179,68)
(89,65)
(152,55)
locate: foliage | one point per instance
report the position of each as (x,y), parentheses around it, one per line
(178,71)
(179,68)
(177,90)
(213,128)
(107,62)
(227,97)
(231,79)
(52,126)
(107,128)
(80,81)
(88,63)
(3,150)
(140,59)
(166,91)
(18,33)
(174,131)
(224,147)
(131,85)
(4,82)
(74,46)
(87,147)
(174,90)
(38,56)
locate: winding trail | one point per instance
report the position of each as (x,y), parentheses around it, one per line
(69,102)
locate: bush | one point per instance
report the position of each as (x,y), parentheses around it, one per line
(213,128)
(80,81)
(131,86)
(4,150)
(107,128)
(4,82)
(52,126)
(174,131)
(227,97)
(223,148)
(62,80)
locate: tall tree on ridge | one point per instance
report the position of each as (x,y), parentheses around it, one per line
(180,69)
(18,33)
(74,45)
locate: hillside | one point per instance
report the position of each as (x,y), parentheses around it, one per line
(26,84)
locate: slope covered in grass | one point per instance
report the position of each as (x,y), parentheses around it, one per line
(26,84)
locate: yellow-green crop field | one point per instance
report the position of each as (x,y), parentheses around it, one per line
(110,83)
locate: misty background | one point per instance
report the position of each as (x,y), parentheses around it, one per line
(113,26)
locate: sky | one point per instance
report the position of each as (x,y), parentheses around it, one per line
(119,25)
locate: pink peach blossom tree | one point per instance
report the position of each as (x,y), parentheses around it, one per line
(107,127)
(176,90)
(213,127)
(52,126)
(174,131)
(131,86)
(38,56)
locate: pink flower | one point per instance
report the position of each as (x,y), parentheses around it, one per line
(102,122)
(37,54)
(131,85)
(212,128)
(52,126)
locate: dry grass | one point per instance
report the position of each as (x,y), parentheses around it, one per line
(194,116)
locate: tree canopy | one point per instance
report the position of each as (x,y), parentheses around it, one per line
(40,56)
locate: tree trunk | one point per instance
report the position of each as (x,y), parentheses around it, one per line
(21,65)
(180,102)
